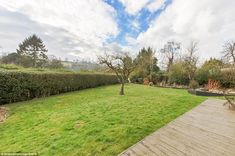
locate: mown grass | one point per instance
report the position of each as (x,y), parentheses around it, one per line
(91,122)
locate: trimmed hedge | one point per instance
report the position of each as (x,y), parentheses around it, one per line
(20,86)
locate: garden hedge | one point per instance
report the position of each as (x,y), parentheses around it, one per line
(20,86)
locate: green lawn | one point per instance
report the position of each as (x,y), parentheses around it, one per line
(91,122)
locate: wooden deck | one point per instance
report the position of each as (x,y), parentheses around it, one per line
(208,129)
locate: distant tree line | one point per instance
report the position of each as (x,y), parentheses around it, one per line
(181,66)
(32,53)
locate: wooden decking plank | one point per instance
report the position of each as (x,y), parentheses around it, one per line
(228,116)
(131,152)
(161,146)
(169,147)
(161,151)
(137,150)
(191,148)
(124,154)
(152,148)
(220,118)
(203,132)
(165,142)
(152,152)
(207,142)
(180,144)
(144,150)
(226,131)
(208,129)
(174,144)
(203,120)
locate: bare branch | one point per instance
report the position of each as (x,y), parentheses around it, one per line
(122,65)
(191,60)
(169,50)
(229,51)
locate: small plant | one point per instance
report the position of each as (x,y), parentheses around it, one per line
(213,84)
(193,84)
(146,81)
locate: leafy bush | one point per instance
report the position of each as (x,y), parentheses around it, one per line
(177,74)
(193,84)
(203,75)
(135,78)
(19,86)
(227,78)
(209,70)
(159,77)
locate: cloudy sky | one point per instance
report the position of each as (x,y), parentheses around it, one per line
(86,28)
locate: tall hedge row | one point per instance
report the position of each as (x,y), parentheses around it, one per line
(21,86)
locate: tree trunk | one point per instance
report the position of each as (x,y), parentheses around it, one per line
(122,88)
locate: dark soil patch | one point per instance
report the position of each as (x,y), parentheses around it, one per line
(4,112)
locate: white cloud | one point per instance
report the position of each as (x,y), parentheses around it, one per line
(88,23)
(155,5)
(209,22)
(82,27)
(131,41)
(135,24)
(134,6)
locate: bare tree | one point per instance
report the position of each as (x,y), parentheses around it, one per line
(229,51)
(121,65)
(191,60)
(169,50)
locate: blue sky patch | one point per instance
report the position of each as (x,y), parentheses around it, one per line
(132,25)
